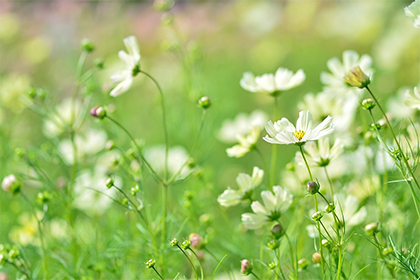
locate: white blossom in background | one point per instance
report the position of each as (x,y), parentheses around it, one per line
(124,78)
(413,13)
(284,132)
(347,207)
(274,204)
(246,143)
(327,103)
(60,119)
(91,193)
(88,144)
(246,186)
(412,98)
(321,154)
(335,80)
(177,156)
(397,104)
(365,187)
(241,125)
(272,84)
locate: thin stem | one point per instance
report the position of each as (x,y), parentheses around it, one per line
(379,245)
(330,183)
(160,276)
(255,275)
(189,260)
(199,263)
(164,217)
(165,125)
(395,138)
(294,263)
(149,167)
(20,269)
(306,163)
(214,257)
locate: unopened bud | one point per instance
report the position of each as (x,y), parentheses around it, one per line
(303,264)
(196,241)
(372,228)
(150,263)
(11,184)
(185,245)
(98,112)
(204,102)
(99,63)
(312,187)
(388,250)
(330,208)
(317,216)
(44,197)
(272,265)
(110,183)
(246,267)
(316,257)
(273,244)
(368,104)
(134,190)
(357,78)
(87,45)
(174,242)
(110,145)
(277,231)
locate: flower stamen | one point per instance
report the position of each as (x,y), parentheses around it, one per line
(299,134)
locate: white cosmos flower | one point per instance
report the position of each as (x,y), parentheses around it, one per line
(274,204)
(284,132)
(246,185)
(125,77)
(412,98)
(413,13)
(272,84)
(246,143)
(322,154)
(60,119)
(347,207)
(335,79)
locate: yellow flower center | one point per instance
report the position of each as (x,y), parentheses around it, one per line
(299,134)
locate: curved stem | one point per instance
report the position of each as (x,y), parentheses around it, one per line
(255,275)
(160,276)
(165,125)
(189,260)
(199,263)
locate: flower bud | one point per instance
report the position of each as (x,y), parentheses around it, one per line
(11,184)
(272,265)
(303,264)
(150,263)
(20,152)
(326,243)
(330,208)
(185,245)
(357,78)
(273,244)
(110,145)
(134,190)
(312,187)
(44,197)
(110,183)
(246,267)
(204,102)
(99,63)
(317,216)
(372,228)
(316,257)
(388,250)
(98,112)
(368,104)
(196,241)
(124,201)
(174,242)
(87,45)
(277,231)
(3,259)
(290,166)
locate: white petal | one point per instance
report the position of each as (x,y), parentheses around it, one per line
(283,198)
(229,198)
(269,200)
(258,208)
(244,182)
(253,221)
(122,87)
(257,176)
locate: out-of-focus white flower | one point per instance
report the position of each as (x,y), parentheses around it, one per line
(241,125)
(246,186)
(341,108)
(362,189)
(177,156)
(397,105)
(322,154)
(272,84)
(125,77)
(274,204)
(90,191)
(347,208)
(12,87)
(88,144)
(58,121)
(413,13)
(284,132)
(412,98)
(246,143)
(11,184)
(335,80)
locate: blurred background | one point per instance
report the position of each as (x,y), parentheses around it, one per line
(197,48)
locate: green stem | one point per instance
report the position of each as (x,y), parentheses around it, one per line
(164,217)
(149,167)
(306,163)
(379,245)
(189,260)
(165,125)
(330,183)
(160,276)
(199,263)
(255,275)
(20,269)
(294,262)
(214,257)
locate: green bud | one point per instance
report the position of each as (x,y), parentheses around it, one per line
(99,63)
(110,183)
(174,242)
(372,228)
(134,190)
(204,102)
(312,187)
(316,257)
(368,104)
(317,216)
(327,244)
(124,201)
(44,197)
(31,93)
(330,208)
(185,245)
(20,152)
(87,45)
(150,263)
(290,166)
(110,145)
(357,78)
(277,231)
(273,244)
(272,265)
(388,250)
(303,264)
